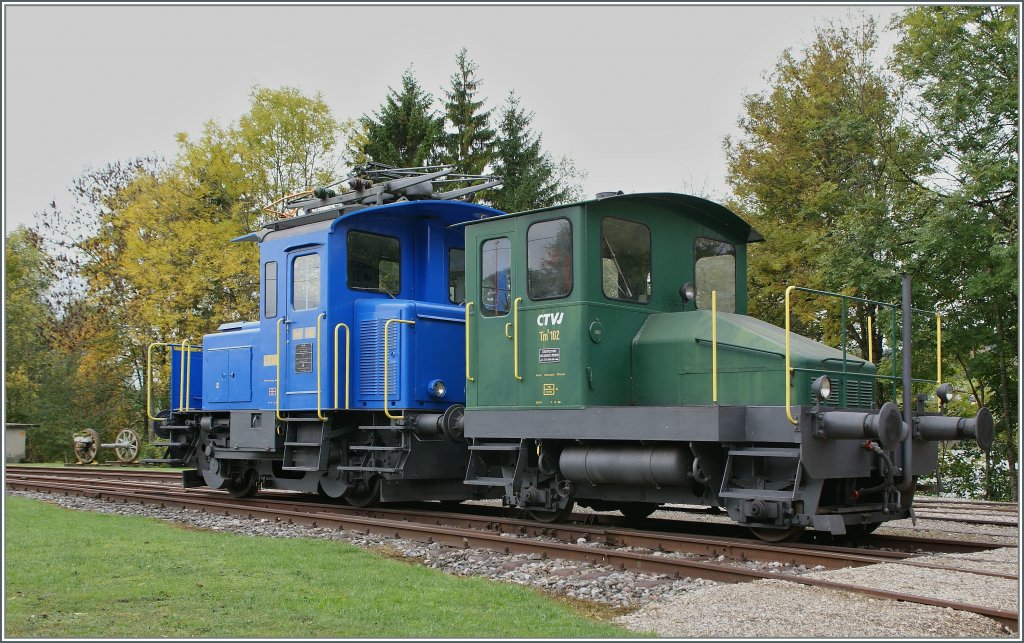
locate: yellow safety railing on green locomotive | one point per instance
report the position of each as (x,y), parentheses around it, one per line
(894,378)
(184,377)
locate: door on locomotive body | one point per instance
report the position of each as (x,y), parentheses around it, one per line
(301,336)
(491,363)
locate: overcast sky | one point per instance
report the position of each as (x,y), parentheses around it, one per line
(639,97)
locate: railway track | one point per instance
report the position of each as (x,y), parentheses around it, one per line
(671,553)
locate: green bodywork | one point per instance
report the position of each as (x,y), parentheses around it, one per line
(586,349)
(672,364)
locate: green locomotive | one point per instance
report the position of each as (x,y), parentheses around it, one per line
(610,362)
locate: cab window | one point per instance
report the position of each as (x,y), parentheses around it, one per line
(306,282)
(549,259)
(374,262)
(625,260)
(270,289)
(496,282)
(715,269)
(456,275)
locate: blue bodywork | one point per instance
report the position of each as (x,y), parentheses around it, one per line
(238,367)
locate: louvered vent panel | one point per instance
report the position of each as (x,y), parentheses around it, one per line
(371,358)
(858,394)
(861,394)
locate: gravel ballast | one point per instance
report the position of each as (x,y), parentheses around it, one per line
(685,607)
(777,609)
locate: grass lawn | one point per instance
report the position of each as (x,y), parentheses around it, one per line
(80,574)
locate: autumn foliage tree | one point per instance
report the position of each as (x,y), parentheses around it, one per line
(811,168)
(857,174)
(144,252)
(963,98)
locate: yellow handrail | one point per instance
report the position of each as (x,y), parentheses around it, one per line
(714,347)
(789,411)
(185,379)
(871,343)
(182,396)
(515,338)
(871,356)
(186,356)
(277,375)
(387,411)
(149,379)
(348,338)
(469,306)
(319,355)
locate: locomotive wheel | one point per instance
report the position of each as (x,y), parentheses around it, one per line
(777,535)
(331,489)
(85,452)
(552,516)
(129,452)
(637,510)
(245,486)
(364,495)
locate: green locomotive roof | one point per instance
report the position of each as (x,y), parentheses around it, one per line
(700,209)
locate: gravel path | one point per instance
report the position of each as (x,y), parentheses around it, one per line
(962,586)
(685,607)
(777,609)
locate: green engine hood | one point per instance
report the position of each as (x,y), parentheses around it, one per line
(672,363)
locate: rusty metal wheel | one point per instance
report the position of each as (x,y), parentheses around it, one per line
(366,494)
(552,516)
(246,485)
(86,443)
(128,449)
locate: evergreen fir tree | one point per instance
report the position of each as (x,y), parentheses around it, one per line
(530,175)
(406,131)
(468,139)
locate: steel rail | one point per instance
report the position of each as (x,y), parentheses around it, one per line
(77,470)
(967,520)
(457,537)
(737,549)
(810,555)
(678,527)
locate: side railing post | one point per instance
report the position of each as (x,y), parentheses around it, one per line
(714,347)
(348,340)
(387,324)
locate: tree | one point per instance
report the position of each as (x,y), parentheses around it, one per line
(26,312)
(530,176)
(469,138)
(963,99)
(284,143)
(812,169)
(146,253)
(405,131)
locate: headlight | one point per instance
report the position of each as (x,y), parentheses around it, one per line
(437,388)
(945,393)
(822,388)
(688,292)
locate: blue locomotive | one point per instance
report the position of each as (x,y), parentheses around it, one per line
(603,347)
